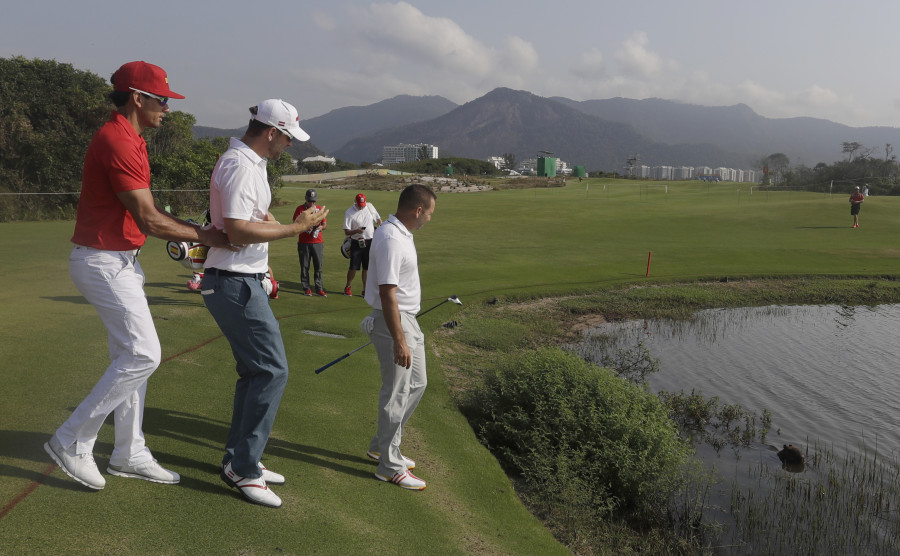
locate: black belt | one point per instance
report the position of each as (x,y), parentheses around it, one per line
(232,274)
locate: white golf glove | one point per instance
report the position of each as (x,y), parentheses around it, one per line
(367,325)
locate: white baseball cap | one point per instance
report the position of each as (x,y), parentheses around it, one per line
(277,113)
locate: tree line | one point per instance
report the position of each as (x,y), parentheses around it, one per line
(861,167)
(49,112)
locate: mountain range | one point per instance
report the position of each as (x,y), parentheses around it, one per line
(598,134)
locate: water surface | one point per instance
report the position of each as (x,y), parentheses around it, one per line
(827,373)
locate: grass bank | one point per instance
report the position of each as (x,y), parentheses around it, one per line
(488,339)
(586,244)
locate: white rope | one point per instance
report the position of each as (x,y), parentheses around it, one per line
(79,192)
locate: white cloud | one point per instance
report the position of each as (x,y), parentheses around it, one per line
(436,42)
(397,49)
(519,56)
(635,59)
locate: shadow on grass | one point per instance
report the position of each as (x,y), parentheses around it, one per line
(30,445)
(151,299)
(212,434)
(77,299)
(196,430)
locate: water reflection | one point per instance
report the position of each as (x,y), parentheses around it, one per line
(826,373)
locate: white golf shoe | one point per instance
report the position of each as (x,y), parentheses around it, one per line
(410,464)
(80,467)
(404,479)
(271,477)
(148,471)
(254,490)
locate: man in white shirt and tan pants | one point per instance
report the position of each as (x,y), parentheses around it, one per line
(394,293)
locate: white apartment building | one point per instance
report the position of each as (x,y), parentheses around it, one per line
(662,172)
(696,172)
(498,161)
(407,153)
(683,173)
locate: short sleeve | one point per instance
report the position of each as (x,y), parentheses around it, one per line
(127,166)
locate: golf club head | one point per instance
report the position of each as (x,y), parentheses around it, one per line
(454,299)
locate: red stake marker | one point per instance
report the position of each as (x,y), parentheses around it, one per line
(649,256)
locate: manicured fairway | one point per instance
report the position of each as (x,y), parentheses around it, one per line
(586,236)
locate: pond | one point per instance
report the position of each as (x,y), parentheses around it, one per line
(828,374)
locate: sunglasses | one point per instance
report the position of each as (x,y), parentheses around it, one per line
(162,100)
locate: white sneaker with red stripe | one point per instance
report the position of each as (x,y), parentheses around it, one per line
(410,464)
(271,477)
(254,490)
(404,479)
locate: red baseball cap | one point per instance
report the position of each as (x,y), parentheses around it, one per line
(143,77)
(361,200)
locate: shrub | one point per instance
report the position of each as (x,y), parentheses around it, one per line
(547,415)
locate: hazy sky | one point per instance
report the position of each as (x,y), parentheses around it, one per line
(785,58)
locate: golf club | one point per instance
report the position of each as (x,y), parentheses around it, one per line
(452,298)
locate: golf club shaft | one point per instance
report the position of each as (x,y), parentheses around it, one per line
(341,358)
(433,308)
(349,353)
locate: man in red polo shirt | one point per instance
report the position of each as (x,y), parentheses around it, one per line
(116,213)
(309,247)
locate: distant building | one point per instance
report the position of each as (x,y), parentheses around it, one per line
(530,166)
(498,161)
(407,153)
(662,173)
(683,173)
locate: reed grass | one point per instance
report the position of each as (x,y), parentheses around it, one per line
(844,503)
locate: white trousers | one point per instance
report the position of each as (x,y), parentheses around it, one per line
(113,282)
(401,389)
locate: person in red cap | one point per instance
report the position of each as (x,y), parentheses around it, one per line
(360,221)
(115,215)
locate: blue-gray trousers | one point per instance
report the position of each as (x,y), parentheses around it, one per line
(240,306)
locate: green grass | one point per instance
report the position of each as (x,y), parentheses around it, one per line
(516,244)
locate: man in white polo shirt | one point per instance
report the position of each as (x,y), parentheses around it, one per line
(239,198)
(394,293)
(360,221)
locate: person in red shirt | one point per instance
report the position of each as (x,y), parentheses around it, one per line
(115,215)
(309,247)
(856,201)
